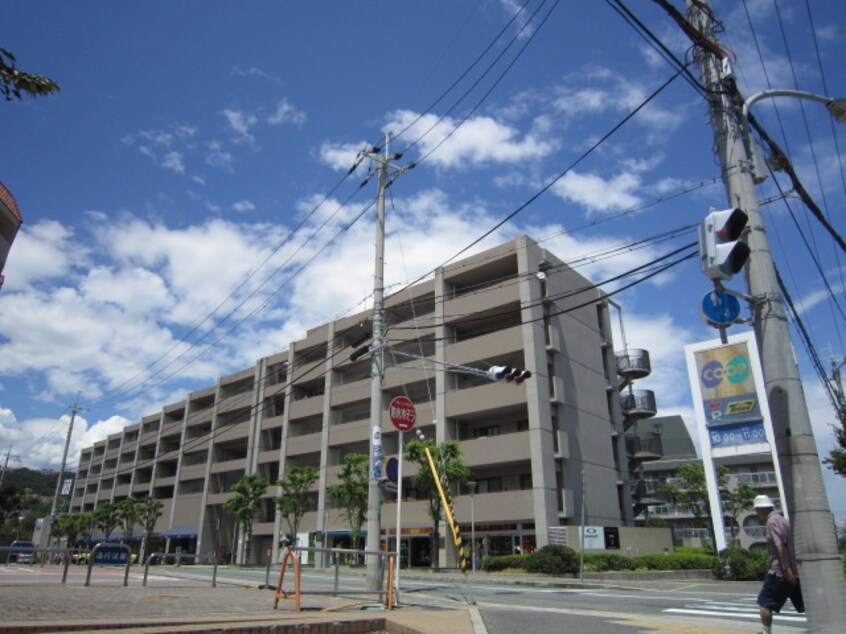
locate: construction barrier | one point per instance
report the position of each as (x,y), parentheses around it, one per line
(293,555)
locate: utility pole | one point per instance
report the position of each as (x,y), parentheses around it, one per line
(5,466)
(820,567)
(74,409)
(374,494)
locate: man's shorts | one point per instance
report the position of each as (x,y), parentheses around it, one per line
(776,591)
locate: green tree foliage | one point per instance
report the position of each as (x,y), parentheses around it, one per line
(452,471)
(149,511)
(128,514)
(351,494)
(14,83)
(87,524)
(296,498)
(68,526)
(836,460)
(39,483)
(689,493)
(553,560)
(11,503)
(736,501)
(106,519)
(245,504)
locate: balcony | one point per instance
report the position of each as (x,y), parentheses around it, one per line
(633,364)
(638,404)
(644,448)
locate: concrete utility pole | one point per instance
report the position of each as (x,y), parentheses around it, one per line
(74,410)
(374,493)
(816,546)
(5,466)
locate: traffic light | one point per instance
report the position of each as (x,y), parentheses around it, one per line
(499,372)
(721,253)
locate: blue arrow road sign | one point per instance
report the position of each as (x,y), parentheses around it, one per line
(720,309)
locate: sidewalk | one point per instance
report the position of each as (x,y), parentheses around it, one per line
(29,608)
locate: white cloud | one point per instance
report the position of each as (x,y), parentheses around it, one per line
(339,156)
(479,140)
(217,155)
(243,206)
(173,161)
(240,121)
(256,72)
(599,194)
(595,90)
(43,251)
(286,112)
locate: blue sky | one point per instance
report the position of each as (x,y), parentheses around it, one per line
(193,142)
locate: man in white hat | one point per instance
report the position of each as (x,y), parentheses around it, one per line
(782,580)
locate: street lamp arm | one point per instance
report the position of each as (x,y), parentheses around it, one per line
(837,107)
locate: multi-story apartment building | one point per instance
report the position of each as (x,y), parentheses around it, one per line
(531,448)
(10,220)
(670,447)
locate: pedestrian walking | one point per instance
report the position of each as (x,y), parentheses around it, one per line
(782,580)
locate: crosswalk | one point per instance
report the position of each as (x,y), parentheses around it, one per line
(742,609)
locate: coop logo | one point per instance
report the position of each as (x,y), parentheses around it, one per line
(735,371)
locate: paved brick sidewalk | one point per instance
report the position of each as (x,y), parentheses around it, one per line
(32,608)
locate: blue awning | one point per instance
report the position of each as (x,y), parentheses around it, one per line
(179,531)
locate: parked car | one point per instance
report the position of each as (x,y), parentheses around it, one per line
(80,557)
(22,552)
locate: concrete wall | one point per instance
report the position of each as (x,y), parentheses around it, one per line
(634,540)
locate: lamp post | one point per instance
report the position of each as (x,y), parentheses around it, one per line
(837,107)
(472,484)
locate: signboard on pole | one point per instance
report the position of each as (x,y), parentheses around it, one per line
(402,413)
(732,413)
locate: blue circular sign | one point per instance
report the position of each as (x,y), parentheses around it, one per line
(720,309)
(392,469)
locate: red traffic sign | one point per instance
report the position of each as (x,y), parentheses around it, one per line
(402,413)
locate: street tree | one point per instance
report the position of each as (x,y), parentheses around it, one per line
(351,494)
(87,524)
(69,526)
(14,83)
(245,504)
(452,472)
(296,498)
(128,512)
(836,460)
(149,512)
(736,497)
(106,519)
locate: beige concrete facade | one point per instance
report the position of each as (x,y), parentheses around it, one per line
(528,446)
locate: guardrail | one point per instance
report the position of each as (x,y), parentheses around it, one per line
(178,557)
(45,554)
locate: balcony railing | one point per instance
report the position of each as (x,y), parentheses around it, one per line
(638,403)
(633,364)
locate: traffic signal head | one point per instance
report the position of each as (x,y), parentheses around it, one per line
(499,372)
(721,252)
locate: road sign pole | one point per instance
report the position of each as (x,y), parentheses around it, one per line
(399,515)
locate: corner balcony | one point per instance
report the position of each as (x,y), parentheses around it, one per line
(633,364)
(638,404)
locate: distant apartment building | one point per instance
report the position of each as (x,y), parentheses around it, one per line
(532,448)
(10,220)
(665,445)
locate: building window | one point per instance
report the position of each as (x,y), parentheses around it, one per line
(484,432)
(525,481)
(489,485)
